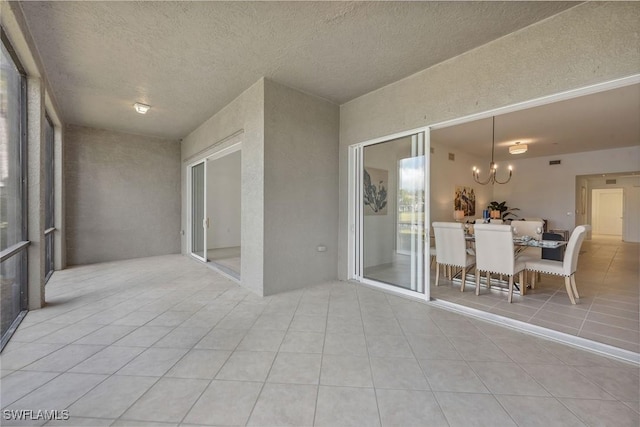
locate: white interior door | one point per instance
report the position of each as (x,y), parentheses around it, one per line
(631,216)
(607,211)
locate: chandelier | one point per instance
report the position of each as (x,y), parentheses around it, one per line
(493,168)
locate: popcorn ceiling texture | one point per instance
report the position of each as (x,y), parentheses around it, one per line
(190,59)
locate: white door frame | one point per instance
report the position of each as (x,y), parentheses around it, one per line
(356,218)
(355,270)
(202,159)
(190,216)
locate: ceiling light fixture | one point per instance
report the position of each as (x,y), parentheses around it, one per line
(141,108)
(518,148)
(492,167)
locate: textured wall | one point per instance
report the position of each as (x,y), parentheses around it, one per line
(590,43)
(240,121)
(122,195)
(541,190)
(447,174)
(289,183)
(301,188)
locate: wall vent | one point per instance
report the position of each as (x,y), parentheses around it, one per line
(555,162)
(610,181)
(432,150)
(452,157)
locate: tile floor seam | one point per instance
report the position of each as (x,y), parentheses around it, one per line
(404,334)
(501,394)
(575,370)
(169,369)
(114,374)
(435,396)
(361,295)
(88,391)
(577,414)
(209,380)
(158,379)
(506,411)
(40,386)
(373,384)
(197,399)
(264,382)
(585,317)
(424,374)
(324,341)
(609,336)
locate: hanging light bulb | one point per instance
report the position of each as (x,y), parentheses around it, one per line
(493,167)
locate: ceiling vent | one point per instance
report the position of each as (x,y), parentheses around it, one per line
(554,162)
(610,181)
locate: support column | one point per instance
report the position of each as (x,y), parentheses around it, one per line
(35,179)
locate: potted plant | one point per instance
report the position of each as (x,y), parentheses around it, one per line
(506,213)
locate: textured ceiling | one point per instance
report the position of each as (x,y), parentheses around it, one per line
(593,122)
(189,59)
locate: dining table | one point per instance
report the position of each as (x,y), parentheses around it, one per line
(520,243)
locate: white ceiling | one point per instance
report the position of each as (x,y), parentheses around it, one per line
(190,59)
(609,119)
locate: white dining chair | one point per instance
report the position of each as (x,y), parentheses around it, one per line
(568,266)
(528,228)
(494,254)
(432,254)
(451,249)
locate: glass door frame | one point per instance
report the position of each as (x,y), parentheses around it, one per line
(203,159)
(190,169)
(356,215)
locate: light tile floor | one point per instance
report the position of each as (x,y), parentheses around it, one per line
(166,341)
(227,258)
(608,310)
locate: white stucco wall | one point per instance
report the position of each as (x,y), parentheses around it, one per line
(122,195)
(242,120)
(301,189)
(289,183)
(447,174)
(587,44)
(549,191)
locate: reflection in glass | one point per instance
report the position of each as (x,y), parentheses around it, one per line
(12,195)
(393,208)
(197,209)
(10,153)
(12,294)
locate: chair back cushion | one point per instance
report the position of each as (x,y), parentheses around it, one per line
(494,248)
(570,263)
(527,228)
(451,248)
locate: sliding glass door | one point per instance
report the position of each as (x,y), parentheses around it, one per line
(199,211)
(388,201)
